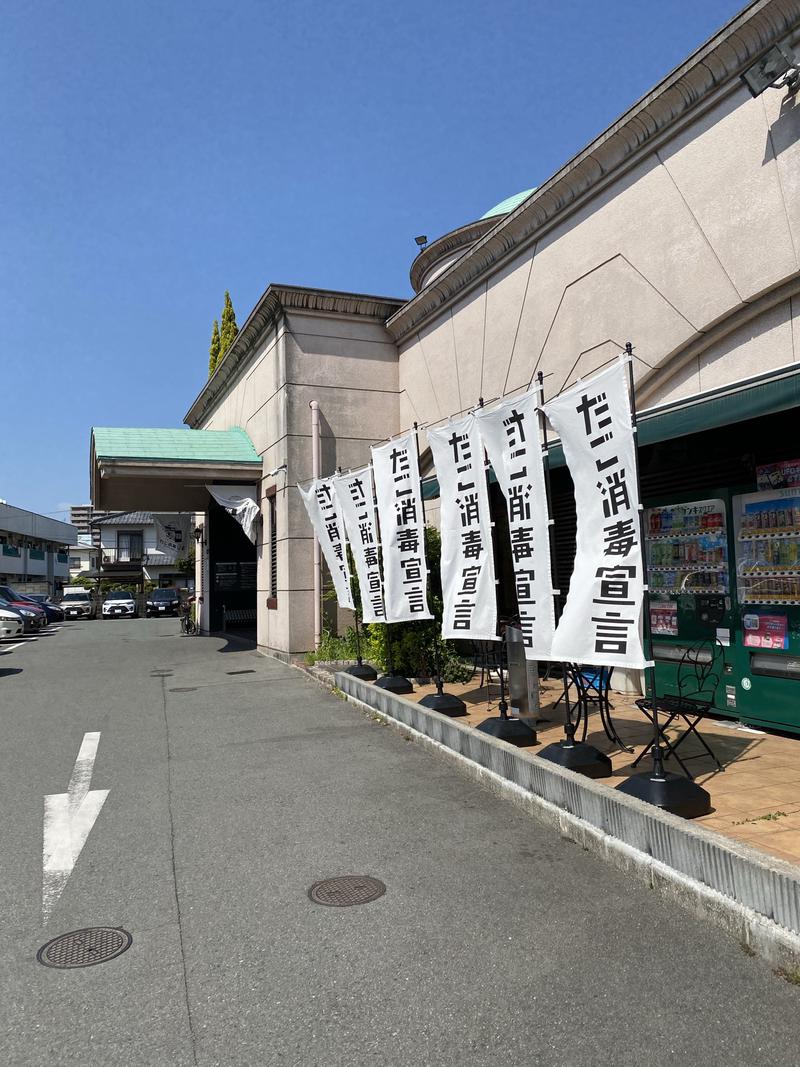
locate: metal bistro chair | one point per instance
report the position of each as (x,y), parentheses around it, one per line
(699,672)
(593,685)
(486,658)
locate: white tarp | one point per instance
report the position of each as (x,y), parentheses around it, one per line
(602,619)
(356,501)
(399,496)
(468,585)
(173,533)
(322,507)
(240,502)
(511,434)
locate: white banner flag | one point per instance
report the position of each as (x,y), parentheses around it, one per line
(470,603)
(320,502)
(357,507)
(172,533)
(510,432)
(399,496)
(602,619)
(240,502)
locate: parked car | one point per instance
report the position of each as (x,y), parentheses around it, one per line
(52,611)
(11,622)
(33,616)
(121,603)
(163,602)
(78,603)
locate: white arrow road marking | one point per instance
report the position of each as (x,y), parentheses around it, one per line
(68,820)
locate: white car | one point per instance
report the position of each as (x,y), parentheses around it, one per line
(10,624)
(120,605)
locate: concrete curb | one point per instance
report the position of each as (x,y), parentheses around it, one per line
(753,897)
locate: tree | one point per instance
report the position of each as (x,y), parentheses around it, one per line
(213,352)
(228,329)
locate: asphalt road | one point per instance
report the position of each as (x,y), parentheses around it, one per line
(230,794)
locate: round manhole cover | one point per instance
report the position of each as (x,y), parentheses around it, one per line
(346,890)
(83,948)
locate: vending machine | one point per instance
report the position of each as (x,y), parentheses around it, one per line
(688,557)
(766,528)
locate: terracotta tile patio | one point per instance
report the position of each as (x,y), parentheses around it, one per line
(756,799)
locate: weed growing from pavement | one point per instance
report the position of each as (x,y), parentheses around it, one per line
(792,976)
(771,816)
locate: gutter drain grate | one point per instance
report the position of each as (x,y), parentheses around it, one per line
(248,671)
(84,948)
(347,890)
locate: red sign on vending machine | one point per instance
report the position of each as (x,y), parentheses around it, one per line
(765,631)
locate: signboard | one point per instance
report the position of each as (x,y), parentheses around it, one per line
(783,475)
(765,631)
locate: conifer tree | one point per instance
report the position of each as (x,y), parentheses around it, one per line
(213,352)
(228,329)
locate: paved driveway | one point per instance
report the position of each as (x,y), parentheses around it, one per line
(234,783)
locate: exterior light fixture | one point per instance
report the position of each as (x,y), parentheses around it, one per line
(198,534)
(776,69)
(422,240)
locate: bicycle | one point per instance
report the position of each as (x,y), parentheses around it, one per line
(188,625)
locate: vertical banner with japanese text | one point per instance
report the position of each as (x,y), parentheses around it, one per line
(357,507)
(602,619)
(468,589)
(321,505)
(399,498)
(511,435)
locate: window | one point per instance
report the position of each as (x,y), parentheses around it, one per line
(272,520)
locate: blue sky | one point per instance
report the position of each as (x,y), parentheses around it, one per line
(157,154)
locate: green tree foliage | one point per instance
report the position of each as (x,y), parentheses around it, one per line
(213,352)
(228,329)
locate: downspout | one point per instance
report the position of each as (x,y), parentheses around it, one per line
(315,465)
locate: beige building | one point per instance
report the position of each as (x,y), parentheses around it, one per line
(678,228)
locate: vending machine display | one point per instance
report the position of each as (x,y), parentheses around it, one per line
(687,549)
(767,532)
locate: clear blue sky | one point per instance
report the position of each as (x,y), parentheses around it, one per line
(156,154)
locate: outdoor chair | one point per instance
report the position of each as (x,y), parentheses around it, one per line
(487,658)
(698,676)
(593,685)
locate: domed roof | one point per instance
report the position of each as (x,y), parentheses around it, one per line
(507,205)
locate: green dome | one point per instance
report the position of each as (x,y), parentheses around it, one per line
(508,204)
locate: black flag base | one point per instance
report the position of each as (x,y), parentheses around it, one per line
(394,683)
(446,703)
(668,791)
(579,757)
(363,671)
(512,730)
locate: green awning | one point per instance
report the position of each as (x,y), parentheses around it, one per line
(763,395)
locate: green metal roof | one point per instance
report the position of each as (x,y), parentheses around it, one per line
(181,445)
(508,204)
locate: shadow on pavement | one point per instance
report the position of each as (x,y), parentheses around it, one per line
(5,671)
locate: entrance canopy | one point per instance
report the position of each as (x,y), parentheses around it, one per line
(166,469)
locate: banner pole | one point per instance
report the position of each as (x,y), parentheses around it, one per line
(575,755)
(359,669)
(446,703)
(664,789)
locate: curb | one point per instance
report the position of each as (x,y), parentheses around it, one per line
(753,897)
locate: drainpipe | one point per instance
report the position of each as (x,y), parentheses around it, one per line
(315,465)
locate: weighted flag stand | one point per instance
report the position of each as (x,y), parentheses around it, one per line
(574,755)
(360,669)
(391,680)
(664,789)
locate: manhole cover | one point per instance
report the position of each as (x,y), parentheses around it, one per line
(83,948)
(185,689)
(347,890)
(249,671)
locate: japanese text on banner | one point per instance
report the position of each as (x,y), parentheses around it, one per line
(357,506)
(399,499)
(510,432)
(602,619)
(468,584)
(321,505)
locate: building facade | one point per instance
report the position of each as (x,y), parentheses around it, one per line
(677,228)
(34,552)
